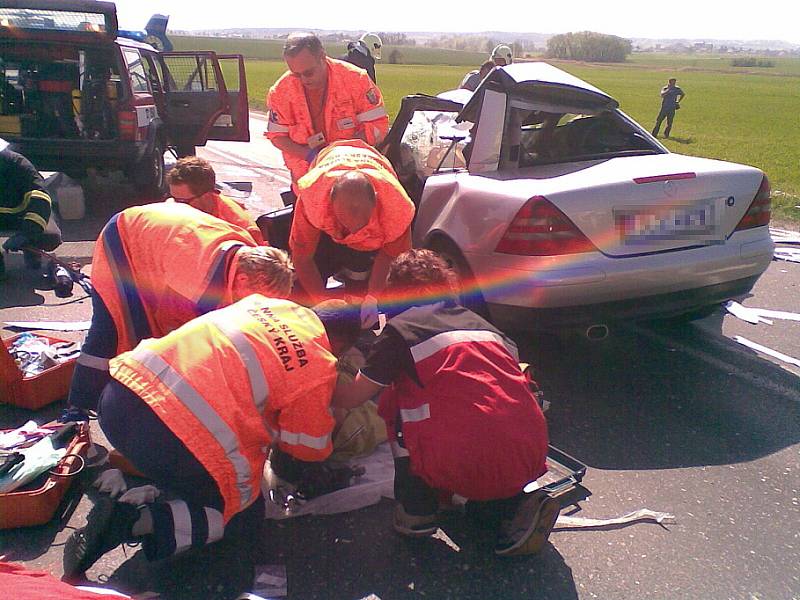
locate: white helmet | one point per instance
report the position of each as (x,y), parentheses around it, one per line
(373,44)
(504,52)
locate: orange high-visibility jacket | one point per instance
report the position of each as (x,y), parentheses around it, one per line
(230,210)
(353,105)
(393,212)
(160,265)
(232,382)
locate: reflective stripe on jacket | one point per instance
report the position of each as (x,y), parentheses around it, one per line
(473,426)
(353,105)
(160,265)
(25,204)
(394,210)
(234,381)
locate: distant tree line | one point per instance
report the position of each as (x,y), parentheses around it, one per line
(477,43)
(396,39)
(588,45)
(749,61)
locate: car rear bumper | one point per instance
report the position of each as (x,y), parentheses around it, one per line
(701,276)
(62,154)
(657,306)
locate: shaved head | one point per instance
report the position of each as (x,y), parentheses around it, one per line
(353,200)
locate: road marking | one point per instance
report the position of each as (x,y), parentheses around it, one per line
(731,369)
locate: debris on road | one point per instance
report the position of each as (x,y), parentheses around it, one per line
(271,581)
(789,254)
(568,522)
(768,351)
(784,236)
(442,536)
(50,325)
(758,315)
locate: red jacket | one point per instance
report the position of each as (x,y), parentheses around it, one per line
(470,423)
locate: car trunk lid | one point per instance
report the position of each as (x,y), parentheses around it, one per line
(640,205)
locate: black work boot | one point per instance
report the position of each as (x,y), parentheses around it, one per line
(32,260)
(109,524)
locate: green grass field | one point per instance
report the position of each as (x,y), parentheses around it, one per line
(745,115)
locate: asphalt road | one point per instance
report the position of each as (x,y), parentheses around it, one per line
(671,417)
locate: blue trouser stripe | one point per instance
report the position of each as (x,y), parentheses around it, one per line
(212,296)
(130,299)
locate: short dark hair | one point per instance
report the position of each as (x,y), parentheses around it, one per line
(342,321)
(299,41)
(486,67)
(195,172)
(422,275)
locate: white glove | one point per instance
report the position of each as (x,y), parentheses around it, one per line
(111,482)
(140,495)
(369,312)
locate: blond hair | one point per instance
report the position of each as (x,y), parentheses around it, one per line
(267,268)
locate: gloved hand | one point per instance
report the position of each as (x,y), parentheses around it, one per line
(312,154)
(369,312)
(73,413)
(16,242)
(111,482)
(145,494)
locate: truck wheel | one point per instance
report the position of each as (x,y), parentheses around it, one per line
(149,176)
(470,296)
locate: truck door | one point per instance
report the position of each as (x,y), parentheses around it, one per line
(196,96)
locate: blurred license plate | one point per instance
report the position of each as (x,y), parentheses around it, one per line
(698,222)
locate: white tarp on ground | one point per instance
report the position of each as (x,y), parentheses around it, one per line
(378,482)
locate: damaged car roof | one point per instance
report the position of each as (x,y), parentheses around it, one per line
(544,84)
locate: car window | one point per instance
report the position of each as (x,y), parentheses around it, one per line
(139,82)
(53,20)
(190,74)
(535,137)
(428,140)
(153,75)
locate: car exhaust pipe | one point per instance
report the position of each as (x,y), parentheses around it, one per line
(596,332)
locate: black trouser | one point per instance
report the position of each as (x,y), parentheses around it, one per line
(48,240)
(196,518)
(354,266)
(91,371)
(666,113)
(420,499)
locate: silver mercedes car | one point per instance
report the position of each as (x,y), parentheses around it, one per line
(558,210)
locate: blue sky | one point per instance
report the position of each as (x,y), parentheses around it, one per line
(699,19)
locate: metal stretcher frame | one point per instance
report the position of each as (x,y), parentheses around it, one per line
(570,468)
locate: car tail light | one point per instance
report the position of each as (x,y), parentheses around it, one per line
(760,209)
(128,124)
(540,229)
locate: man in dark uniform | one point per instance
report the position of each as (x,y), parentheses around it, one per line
(25,208)
(364,53)
(671,95)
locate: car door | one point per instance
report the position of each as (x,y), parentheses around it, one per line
(235,124)
(198,105)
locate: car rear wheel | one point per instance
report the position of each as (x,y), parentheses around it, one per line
(149,176)
(470,296)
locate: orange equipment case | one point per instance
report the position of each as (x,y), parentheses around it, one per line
(27,507)
(35,391)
